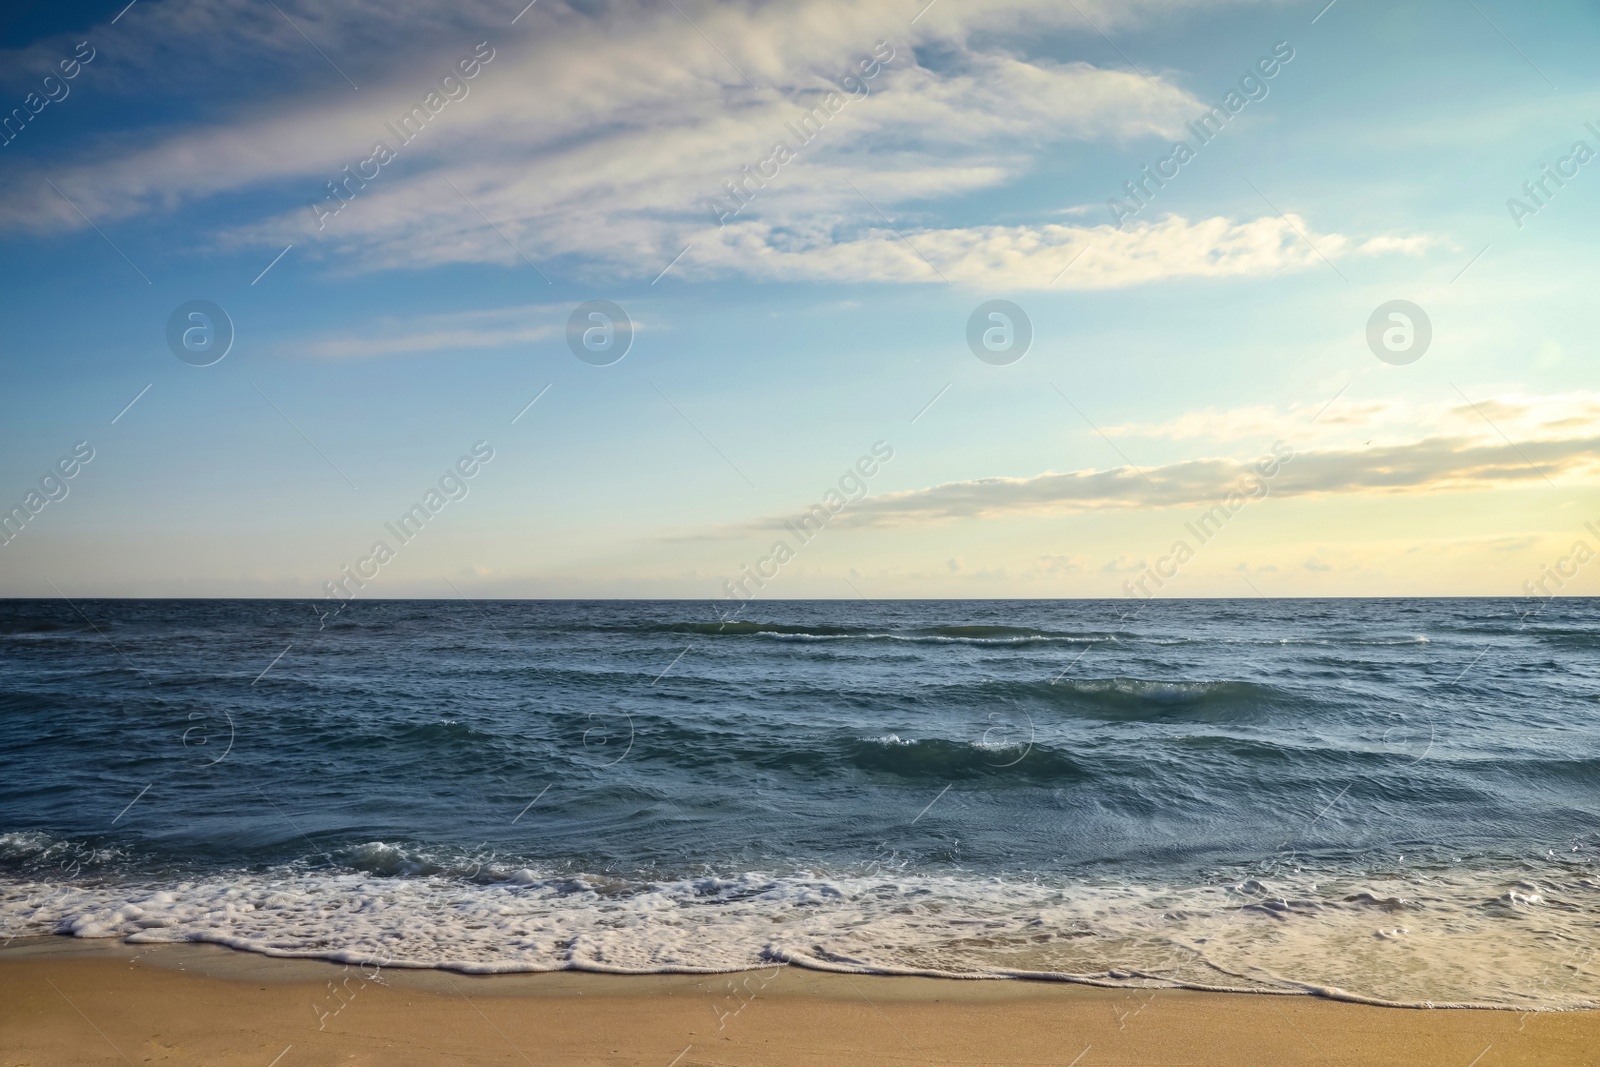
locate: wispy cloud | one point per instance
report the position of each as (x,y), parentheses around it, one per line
(1519,415)
(1024,257)
(491,328)
(613,163)
(1431,465)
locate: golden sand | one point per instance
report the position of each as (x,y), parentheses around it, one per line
(74,1002)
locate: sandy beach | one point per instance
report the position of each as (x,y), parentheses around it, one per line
(74,1002)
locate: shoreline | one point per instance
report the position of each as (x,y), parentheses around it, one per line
(221,960)
(70,1000)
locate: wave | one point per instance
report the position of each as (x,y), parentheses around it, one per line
(1129,699)
(1352,935)
(996,727)
(36,853)
(741,629)
(996,635)
(975,635)
(949,760)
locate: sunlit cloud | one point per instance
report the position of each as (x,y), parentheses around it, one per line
(1484,417)
(1432,465)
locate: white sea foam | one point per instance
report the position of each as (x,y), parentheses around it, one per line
(1443,941)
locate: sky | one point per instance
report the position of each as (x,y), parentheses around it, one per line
(1295,299)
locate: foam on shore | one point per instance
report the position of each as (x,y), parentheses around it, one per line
(1453,939)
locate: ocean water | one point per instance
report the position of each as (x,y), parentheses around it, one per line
(1386,800)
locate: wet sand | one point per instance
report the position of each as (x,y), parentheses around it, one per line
(67,1001)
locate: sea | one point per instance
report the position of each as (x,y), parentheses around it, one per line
(1390,801)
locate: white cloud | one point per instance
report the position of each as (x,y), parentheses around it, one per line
(639,81)
(602,135)
(1019,257)
(1407,246)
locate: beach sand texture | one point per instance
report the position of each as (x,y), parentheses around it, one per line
(65,1002)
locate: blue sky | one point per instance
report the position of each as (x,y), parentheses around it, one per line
(1168,354)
